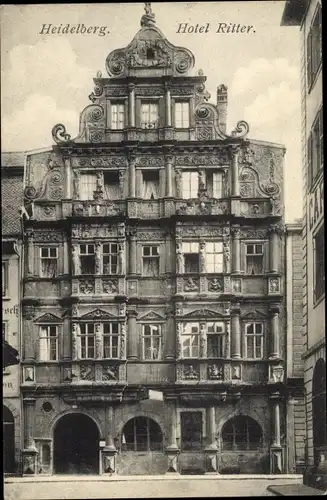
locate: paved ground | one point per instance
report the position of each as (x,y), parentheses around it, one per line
(86,487)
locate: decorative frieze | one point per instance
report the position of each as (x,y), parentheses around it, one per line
(87,372)
(91,231)
(102,161)
(198,159)
(150,161)
(216,372)
(86,287)
(216,284)
(203,231)
(191,285)
(110,286)
(110,372)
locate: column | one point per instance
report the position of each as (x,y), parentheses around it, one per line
(29,451)
(168,107)
(109,452)
(236,333)
(202,258)
(98,250)
(132,253)
(235,173)
(131,104)
(274,249)
(98,341)
(212,427)
(121,257)
(29,337)
(274,331)
(179,258)
(68,176)
(30,252)
(172,450)
(236,254)
(74,341)
(132,178)
(169,182)
(170,341)
(66,339)
(132,335)
(211,450)
(66,269)
(276,451)
(290,436)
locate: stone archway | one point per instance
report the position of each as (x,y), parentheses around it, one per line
(76,445)
(8,441)
(319,408)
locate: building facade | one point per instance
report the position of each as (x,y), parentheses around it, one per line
(307,15)
(153,291)
(12,170)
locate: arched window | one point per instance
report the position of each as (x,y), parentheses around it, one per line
(142,434)
(241,433)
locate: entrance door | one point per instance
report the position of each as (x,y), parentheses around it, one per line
(8,440)
(76,445)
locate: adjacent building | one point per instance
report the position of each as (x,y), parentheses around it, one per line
(12,171)
(307,15)
(153,283)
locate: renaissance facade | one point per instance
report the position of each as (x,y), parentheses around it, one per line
(154,264)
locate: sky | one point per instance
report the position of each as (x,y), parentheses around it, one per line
(46,78)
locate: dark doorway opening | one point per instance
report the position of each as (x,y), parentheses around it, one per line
(319,409)
(76,445)
(8,441)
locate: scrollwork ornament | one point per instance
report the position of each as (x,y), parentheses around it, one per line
(56,194)
(241,129)
(56,177)
(59,134)
(30,193)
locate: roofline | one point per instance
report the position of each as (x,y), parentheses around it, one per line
(266,143)
(294,12)
(14,170)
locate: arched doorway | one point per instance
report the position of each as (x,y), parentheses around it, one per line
(8,440)
(319,408)
(76,445)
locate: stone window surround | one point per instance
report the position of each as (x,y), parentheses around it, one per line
(264,336)
(201,410)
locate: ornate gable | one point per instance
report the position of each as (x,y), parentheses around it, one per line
(153,316)
(48,318)
(203,313)
(97,315)
(254,314)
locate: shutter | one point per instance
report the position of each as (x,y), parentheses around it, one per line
(138,112)
(242,249)
(309,58)
(162,112)
(309,160)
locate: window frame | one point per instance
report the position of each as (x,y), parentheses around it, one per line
(88,253)
(111,335)
(120,123)
(246,255)
(5,280)
(235,446)
(186,253)
(315,149)
(180,412)
(314,48)
(149,124)
(190,347)
(86,336)
(220,335)
(109,255)
(151,337)
(157,257)
(211,183)
(254,335)
(179,123)
(144,173)
(187,193)
(42,259)
(83,175)
(215,254)
(48,338)
(317,267)
(149,447)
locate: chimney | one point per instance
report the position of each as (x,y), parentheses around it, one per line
(222,107)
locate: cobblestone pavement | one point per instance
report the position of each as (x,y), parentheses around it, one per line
(142,487)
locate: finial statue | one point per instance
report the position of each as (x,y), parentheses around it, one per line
(148,19)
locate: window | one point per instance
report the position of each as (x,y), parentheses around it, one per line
(111,185)
(149,115)
(88,185)
(4,279)
(214,184)
(191,257)
(316,149)
(87,341)
(117,116)
(150,260)
(241,433)
(111,340)
(254,258)
(4,330)
(142,434)
(214,257)
(150,184)
(49,262)
(314,47)
(191,340)
(87,259)
(190,185)
(151,341)
(319,263)
(110,258)
(182,115)
(215,340)
(48,343)
(191,430)
(254,340)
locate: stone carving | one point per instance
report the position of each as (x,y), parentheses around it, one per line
(227,285)
(122,341)
(150,161)
(48,236)
(86,287)
(67,374)
(110,372)
(200,160)
(179,258)
(76,260)
(203,340)
(29,312)
(29,374)
(179,331)
(86,372)
(48,318)
(236,372)
(97,314)
(49,211)
(226,249)
(236,285)
(59,134)
(216,372)
(190,285)
(253,233)
(274,285)
(98,248)
(190,372)
(241,129)
(178,182)
(202,313)
(110,286)
(29,464)
(178,309)
(122,309)
(276,373)
(246,190)
(76,183)
(121,257)
(215,285)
